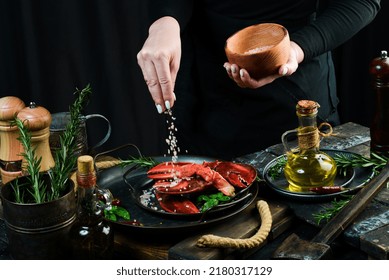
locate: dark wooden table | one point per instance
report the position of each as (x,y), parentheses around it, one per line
(367,237)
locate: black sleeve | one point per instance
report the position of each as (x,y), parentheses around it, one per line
(338,22)
(181,10)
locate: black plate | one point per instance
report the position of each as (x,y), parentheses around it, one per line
(142,192)
(112,179)
(354,180)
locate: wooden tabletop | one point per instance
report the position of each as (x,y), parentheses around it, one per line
(367,235)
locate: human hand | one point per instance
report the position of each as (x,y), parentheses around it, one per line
(159,60)
(242,77)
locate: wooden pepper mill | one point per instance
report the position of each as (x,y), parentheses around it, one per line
(379,128)
(37,120)
(10,147)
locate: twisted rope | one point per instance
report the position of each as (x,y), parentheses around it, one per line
(257,239)
(309,138)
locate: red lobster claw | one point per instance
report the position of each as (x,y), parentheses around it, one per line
(176,204)
(184,177)
(238,174)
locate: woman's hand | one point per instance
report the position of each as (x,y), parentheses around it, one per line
(243,79)
(159,60)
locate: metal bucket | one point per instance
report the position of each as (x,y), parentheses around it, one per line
(39,231)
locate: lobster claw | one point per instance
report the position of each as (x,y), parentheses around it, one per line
(237,174)
(176,204)
(185,177)
(173,179)
(181,186)
(168,170)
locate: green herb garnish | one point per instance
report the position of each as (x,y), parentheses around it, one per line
(276,170)
(211,200)
(115,212)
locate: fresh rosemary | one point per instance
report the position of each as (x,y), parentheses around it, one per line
(327,213)
(64,158)
(345,161)
(141,161)
(32,164)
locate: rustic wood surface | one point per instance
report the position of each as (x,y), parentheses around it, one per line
(351,137)
(368,234)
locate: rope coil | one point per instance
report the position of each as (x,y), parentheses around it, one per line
(311,138)
(257,239)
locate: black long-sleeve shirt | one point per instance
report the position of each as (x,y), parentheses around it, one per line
(214,115)
(338,22)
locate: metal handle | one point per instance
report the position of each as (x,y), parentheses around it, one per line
(107,135)
(284,139)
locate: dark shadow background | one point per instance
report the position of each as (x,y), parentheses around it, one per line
(48,48)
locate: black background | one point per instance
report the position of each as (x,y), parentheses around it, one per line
(48,48)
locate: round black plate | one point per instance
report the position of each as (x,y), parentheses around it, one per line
(149,222)
(354,180)
(142,192)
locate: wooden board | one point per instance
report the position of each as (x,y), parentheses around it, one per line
(376,243)
(242,226)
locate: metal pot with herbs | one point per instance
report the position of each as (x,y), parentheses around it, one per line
(40,206)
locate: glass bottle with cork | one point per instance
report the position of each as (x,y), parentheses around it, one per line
(379,128)
(91,235)
(307,166)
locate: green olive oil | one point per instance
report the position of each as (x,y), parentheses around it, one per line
(308,167)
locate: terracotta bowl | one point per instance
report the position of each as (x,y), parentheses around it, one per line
(260,49)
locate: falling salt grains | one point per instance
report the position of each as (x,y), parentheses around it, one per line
(173,148)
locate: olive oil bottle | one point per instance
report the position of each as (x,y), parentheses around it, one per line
(91,235)
(307,166)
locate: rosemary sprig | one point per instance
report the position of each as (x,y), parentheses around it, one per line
(345,161)
(64,158)
(141,161)
(327,213)
(32,163)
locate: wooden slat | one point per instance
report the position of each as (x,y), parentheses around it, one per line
(242,226)
(376,243)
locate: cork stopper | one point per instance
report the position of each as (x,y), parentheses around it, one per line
(307,107)
(85,164)
(10,107)
(35,117)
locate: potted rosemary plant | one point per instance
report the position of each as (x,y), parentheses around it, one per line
(40,207)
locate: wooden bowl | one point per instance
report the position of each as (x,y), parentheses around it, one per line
(260,49)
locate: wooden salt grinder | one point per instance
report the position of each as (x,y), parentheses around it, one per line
(37,120)
(10,147)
